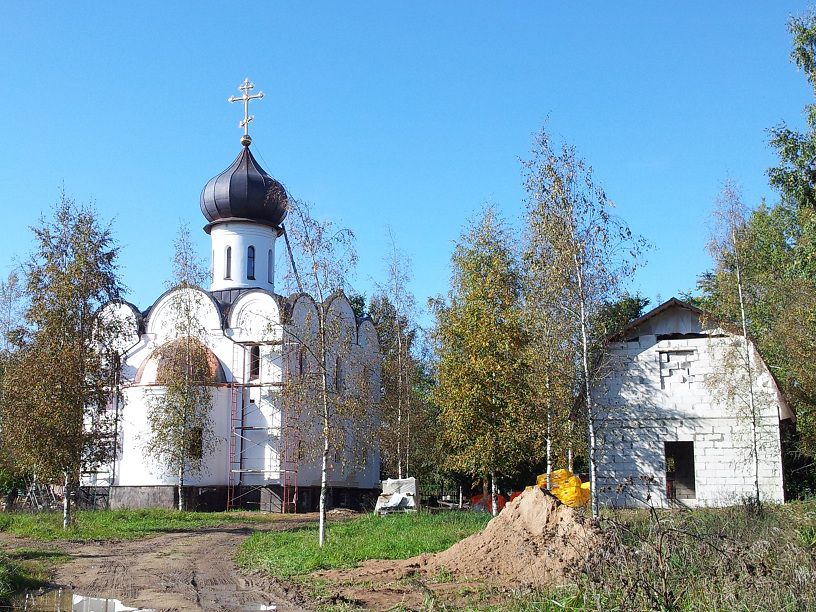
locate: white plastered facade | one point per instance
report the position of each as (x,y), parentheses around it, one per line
(279,327)
(658,389)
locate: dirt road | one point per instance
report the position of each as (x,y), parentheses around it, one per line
(191,570)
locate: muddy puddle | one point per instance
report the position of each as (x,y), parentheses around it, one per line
(61,600)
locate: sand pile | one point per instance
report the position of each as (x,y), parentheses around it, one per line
(535,541)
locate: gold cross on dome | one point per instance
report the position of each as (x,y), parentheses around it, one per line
(245,88)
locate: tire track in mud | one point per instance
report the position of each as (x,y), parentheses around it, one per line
(190,570)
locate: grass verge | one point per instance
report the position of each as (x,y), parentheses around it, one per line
(94,525)
(294,553)
(24,569)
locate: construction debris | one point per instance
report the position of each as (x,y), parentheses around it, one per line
(398,495)
(567,487)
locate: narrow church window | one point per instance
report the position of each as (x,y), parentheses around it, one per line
(195,443)
(296,364)
(251,263)
(680,470)
(270,275)
(254,362)
(338,375)
(228,263)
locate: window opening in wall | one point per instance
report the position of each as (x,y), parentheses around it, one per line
(680,470)
(251,263)
(254,362)
(228,263)
(678,336)
(270,268)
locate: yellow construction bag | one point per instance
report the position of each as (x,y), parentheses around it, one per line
(572,493)
(557,478)
(567,487)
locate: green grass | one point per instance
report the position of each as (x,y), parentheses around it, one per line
(713,559)
(93,525)
(399,536)
(703,559)
(24,569)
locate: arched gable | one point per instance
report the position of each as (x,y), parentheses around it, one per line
(164,317)
(126,320)
(367,336)
(301,332)
(341,322)
(303,321)
(256,317)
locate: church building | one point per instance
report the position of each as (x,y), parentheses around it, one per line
(255,341)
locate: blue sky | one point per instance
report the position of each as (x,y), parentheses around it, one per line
(405,114)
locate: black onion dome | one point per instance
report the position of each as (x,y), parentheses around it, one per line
(244,192)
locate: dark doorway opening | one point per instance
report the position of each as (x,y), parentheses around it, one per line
(680,470)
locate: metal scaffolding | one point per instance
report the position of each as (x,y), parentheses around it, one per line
(242,440)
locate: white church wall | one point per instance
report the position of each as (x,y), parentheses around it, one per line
(656,392)
(137,468)
(355,459)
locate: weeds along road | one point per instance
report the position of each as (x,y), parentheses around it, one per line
(184,570)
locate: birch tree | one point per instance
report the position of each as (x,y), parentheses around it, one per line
(11,335)
(56,388)
(585,253)
(551,372)
(735,380)
(396,307)
(180,425)
(487,426)
(325,256)
(421,448)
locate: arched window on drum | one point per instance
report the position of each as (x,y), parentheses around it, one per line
(251,263)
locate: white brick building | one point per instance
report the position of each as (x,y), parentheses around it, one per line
(667,432)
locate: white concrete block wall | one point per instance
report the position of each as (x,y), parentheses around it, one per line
(636,415)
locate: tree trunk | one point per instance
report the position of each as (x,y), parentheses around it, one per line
(460,497)
(494,497)
(407,424)
(549,452)
(749,370)
(399,396)
(587,388)
(181,486)
(11,497)
(324,467)
(66,501)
